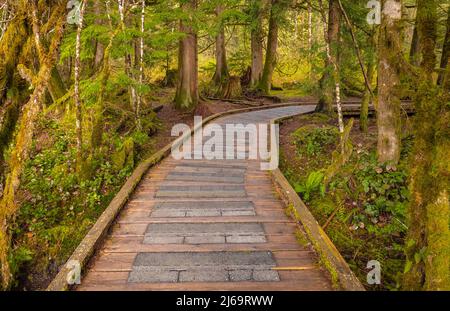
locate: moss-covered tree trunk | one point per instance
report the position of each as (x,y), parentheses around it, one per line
(11,46)
(221,72)
(187,97)
(428,239)
(256,13)
(388,108)
(276,13)
(327,83)
(30,111)
(97,128)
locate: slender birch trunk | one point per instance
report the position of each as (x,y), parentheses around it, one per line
(4,18)
(445,51)
(78,105)
(141,67)
(310,28)
(335,73)
(328,81)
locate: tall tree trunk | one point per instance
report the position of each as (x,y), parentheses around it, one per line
(327,83)
(12,91)
(97,129)
(99,47)
(445,51)
(428,240)
(78,106)
(388,112)
(187,97)
(221,52)
(334,73)
(141,65)
(270,63)
(123,6)
(256,42)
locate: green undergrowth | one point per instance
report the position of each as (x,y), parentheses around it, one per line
(57,206)
(363,206)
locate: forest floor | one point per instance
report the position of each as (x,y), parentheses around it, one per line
(363,207)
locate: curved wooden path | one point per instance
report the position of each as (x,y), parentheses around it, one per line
(207,225)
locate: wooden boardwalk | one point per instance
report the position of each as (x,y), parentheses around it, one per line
(207,225)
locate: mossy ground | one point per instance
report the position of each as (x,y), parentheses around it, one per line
(364,204)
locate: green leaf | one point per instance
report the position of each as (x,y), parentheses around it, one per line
(408,266)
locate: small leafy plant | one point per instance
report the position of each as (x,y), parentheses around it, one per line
(313,184)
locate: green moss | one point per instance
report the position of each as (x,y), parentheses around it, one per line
(301,238)
(124,156)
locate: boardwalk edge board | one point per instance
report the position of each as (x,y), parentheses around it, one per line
(342,276)
(86,249)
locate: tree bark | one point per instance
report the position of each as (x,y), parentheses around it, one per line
(310,26)
(4,17)
(256,42)
(187,97)
(123,6)
(78,105)
(327,83)
(99,47)
(414,52)
(141,66)
(445,52)
(56,86)
(367,97)
(428,239)
(97,129)
(388,112)
(221,52)
(31,109)
(270,63)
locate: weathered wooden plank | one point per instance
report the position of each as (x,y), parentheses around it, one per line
(180,182)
